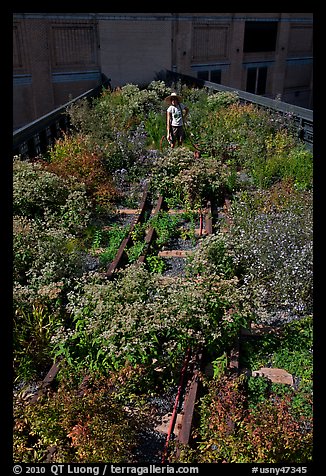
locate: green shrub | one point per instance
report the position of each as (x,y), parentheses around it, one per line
(139,318)
(185,180)
(42,195)
(292,350)
(271,248)
(74,156)
(42,254)
(91,428)
(32,332)
(231,433)
(285,159)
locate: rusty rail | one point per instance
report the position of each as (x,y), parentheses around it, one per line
(121,257)
(47,381)
(184,433)
(150,236)
(175,407)
(191,388)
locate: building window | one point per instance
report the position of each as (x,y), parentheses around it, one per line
(213,76)
(74,45)
(256,80)
(203,75)
(260,36)
(216,76)
(209,42)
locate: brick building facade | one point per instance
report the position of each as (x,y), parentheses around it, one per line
(58,56)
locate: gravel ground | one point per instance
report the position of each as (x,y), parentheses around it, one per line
(176,265)
(151,445)
(151,441)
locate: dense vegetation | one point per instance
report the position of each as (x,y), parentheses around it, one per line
(129,335)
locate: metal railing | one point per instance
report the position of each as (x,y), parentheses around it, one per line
(301,117)
(34,138)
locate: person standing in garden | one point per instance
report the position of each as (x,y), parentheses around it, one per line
(175,117)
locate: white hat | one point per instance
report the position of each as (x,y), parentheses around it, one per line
(172,96)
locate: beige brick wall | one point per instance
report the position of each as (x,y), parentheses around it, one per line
(134,51)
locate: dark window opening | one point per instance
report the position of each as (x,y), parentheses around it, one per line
(251,80)
(216,76)
(256,80)
(260,36)
(261,80)
(203,75)
(213,76)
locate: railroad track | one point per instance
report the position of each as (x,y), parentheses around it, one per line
(181,417)
(178,423)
